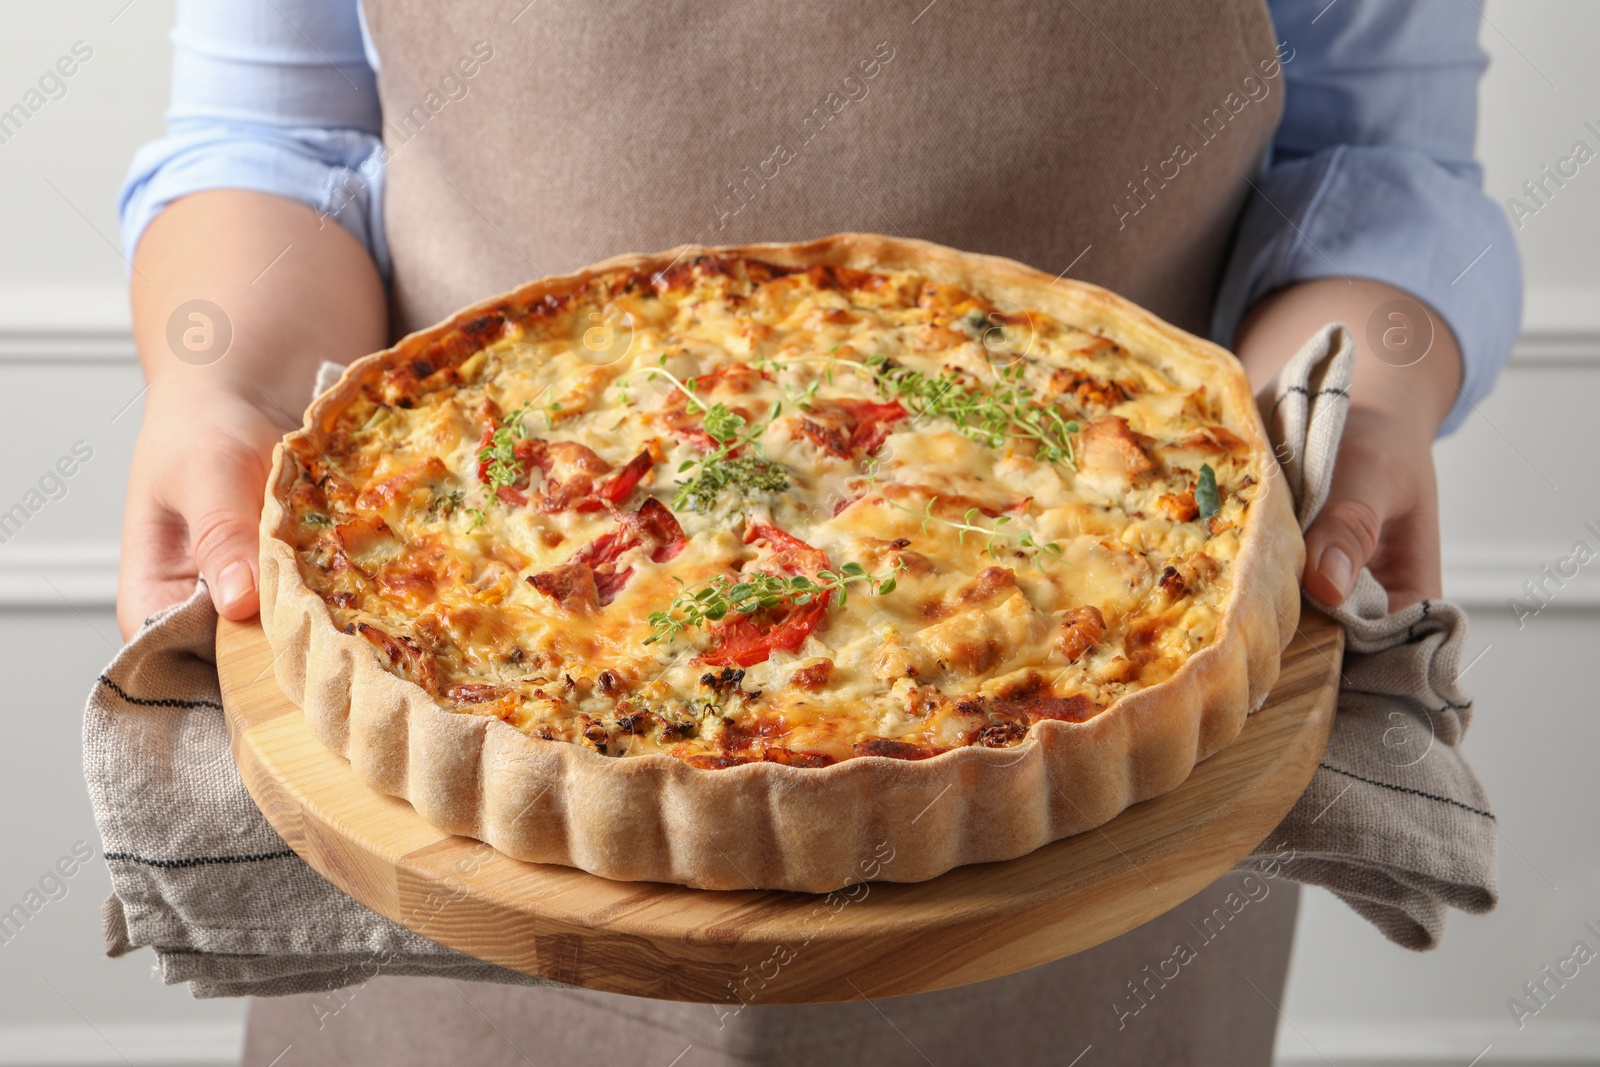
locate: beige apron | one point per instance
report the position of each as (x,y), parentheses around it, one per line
(1112,140)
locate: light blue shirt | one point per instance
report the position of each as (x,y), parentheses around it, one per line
(1371,173)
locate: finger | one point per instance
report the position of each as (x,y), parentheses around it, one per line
(1407,563)
(155,569)
(222,507)
(1347,531)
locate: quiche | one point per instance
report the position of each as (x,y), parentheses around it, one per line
(752,566)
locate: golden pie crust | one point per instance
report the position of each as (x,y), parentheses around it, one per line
(766,822)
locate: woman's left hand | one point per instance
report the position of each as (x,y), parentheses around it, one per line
(1383,508)
(1382,513)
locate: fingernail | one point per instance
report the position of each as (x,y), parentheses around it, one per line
(235,582)
(1337,568)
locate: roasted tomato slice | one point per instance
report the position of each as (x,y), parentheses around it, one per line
(744,642)
(749,639)
(849,425)
(872,422)
(788,551)
(655,525)
(569,471)
(590,580)
(619,485)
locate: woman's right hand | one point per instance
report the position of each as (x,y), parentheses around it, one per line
(288,290)
(195,493)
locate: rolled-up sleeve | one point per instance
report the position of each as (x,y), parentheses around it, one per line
(1372,175)
(275,96)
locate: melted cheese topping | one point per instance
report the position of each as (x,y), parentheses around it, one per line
(1027,586)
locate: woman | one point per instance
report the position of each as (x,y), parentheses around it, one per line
(336,174)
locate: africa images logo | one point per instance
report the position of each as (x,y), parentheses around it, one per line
(600,336)
(811,125)
(1213,125)
(199,332)
(52,85)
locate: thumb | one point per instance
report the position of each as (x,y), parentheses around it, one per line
(1342,541)
(222,507)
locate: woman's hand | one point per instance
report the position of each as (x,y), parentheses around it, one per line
(1382,513)
(278,290)
(1383,508)
(194,501)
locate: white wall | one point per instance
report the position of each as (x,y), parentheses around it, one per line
(1518,484)
(67,374)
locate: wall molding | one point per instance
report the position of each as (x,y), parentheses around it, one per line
(1557,349)
(81,576)
(48,326)
(1438,1043)
(52,324)
(1486,578)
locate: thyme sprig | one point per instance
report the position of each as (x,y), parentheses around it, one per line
(500,453)
(721,423)
(801,398)
(831,362)
(988,416)
(1001,530)
(720,596)
(686,387)
(746,473)
(720,468)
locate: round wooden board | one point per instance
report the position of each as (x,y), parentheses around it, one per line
(879,939)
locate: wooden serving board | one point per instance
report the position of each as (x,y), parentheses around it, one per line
(880,939)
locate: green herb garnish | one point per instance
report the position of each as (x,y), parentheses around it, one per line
(500,453)
(445,502)
(989,417)
(720,468)
(722,424)
(745,473)
(1001,530)
(1206,496)
(722,596)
